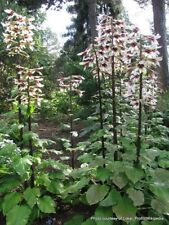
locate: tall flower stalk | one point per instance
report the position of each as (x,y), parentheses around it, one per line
(129,67)
(70,85)
(30,84)
(100,104)
(18,37)
(113,88)
(139,133)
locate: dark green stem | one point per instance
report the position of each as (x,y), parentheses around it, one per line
(100,106)
(71,127)
(121,130)
(31,150)
(113,88)
(138,143)
(114,109)
(20,116)
(139,133)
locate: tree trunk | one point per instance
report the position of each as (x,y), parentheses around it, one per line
(160,28)
(92,18)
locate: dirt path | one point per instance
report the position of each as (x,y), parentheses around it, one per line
(47,130)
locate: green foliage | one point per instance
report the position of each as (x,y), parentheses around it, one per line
(31,195)
(110,187)
(22,166)
(136,196)
(10,201)
(125,208)
(112,198)
(78,219)
(57,104)
(46,204)
(18,215)
(96,193)
(101,215)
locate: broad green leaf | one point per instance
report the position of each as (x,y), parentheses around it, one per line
(136,196)
(161,203)
(161,192)
(97,135)
(10,201)
(112,199)
(78,219)
(46,204)
(78,173)
(120,180)
(29,135)
(164,163)
(101,215)
(134,174)
(22,165)
(8,149)
(162,176)
(9,183)
(116,166)
(81,146)
(89,222)
(56,187)
(78,185)
(18,215)
(156,222)
(125,208)
(110,147)
(85,158)
(152,153)
(103,173)
(95,146)
(96,193)
(128,144)
(134,223)
(43,179)
(160,206)
(31,196)
(98,161)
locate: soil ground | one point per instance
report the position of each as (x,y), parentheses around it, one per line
(50,130)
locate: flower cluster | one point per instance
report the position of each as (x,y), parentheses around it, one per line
(18,35)
(144,61)
(29,85)
(71,83)
(111,42)
(124,51)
